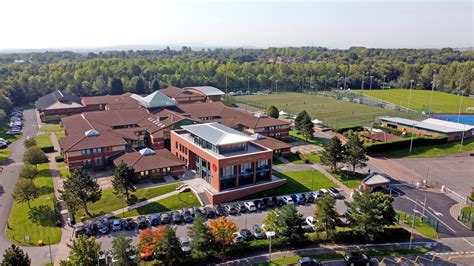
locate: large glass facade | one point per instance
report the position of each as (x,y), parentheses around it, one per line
(246,174)
(227,177)
(263,170)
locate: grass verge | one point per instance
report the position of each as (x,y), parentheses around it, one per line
(421,227)
(433,150)
(298,181)
(312,140)
(348,178)
(4,154)
(38,223)
(175,202)
(109,202)
(44,140)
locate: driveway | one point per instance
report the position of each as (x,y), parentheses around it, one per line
(438,205)
(8,179)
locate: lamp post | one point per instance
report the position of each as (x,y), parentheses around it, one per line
(383,88)
(371,77)
(433,85)
(270,234)
(248,83)
(362,83)
(413,226)
(409,95)
(276,86)
(337,86)
(460,106)
(411,140)
(345,76)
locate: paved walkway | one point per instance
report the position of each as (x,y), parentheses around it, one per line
(395,170)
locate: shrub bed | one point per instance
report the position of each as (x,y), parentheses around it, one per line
(377,147)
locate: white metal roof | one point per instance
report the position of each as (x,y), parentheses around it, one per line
(147,151)
(207,90)
(375,179)
(422,125)
(218,134)
(459,126)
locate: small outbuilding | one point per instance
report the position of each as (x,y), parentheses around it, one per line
(375,182)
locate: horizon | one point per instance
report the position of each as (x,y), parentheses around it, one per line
(399,24)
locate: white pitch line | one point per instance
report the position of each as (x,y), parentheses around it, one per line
(468,242)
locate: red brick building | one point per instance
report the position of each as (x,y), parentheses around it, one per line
(229,161)
(152,164)
(57,104)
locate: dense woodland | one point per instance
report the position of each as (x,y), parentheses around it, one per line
(26,76)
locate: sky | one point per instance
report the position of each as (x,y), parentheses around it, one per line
(60,24)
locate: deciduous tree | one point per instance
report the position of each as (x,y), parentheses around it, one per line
(29,142)
(15,256)
(34,155)
(223,229)
(25,191)
(121,245)
(202,241)
(29,171)
(123,180)
(84,250)
(333,154)
(82,188)
(326,215)
(272,111)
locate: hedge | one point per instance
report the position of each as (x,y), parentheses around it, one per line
(59,158)
(48,149)
(377,147)
(345,129)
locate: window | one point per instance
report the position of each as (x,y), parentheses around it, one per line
(86,162)
(227,172)
(98,160)
(96,150)
(176,144)
(106,149)
(85,152)
(246,169)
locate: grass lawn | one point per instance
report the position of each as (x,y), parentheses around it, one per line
(340,254)
(298,181)
(453,147)
(109,202)
(420,100)
(294,158)
(175,202)
(44,140)
(312,140)
(348,178)
(421,227)
(334,113)
(4,154)
(51,128)
(313,157)
(63,171)
(38,222)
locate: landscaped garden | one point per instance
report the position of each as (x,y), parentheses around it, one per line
(349,178)
(311,140)
(28,225)
(44,141)
(109,201)
(421,227)
(298,182)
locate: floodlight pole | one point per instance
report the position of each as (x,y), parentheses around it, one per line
(411,141)
(432,91)
(383,88)
(409,95)
(345,76)
(462,137)
(460,106)
(248,83)
(371,77)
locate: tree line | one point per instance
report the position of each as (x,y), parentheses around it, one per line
(290,68)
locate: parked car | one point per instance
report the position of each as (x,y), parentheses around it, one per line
(129,224)
(356,258)
(184,241)
(257,231)
(260,205)
(311,222)
(237,238)
(268,202)
(240,207)
(297,199)
(4,140)
(323,191)
(250,206)
(104,226)
(116,225)
(91,229)
(288,200)
(335,193)
(154,219)
(308,261)
(246,234)
(301,199)
(141,221)
(187,216)
(165,218)
(309,197)
(80,230)
(316,195)
(196,211)
(176,217)
(209,212)
(230,209)
(220,210)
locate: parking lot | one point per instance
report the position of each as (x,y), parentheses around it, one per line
(242,220)
(15,125)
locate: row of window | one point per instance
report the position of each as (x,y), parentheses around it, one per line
(273,127)
(88,162)
(245,169)
(163,171)
(95,150)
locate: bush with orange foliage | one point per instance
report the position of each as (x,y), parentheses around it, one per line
(223,229)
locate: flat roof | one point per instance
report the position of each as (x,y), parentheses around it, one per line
(459,126)
(207,90)
(218,134)
(437,127)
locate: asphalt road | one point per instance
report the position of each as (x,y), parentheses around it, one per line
(438,205)
(8,179)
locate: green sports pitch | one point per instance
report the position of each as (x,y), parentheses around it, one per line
(334,113)
(443,103)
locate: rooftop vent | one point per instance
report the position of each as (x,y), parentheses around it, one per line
(92,133)
(147,151)
(260,115)
(258,136)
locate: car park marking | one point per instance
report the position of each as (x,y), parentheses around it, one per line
(435,212)
(447,226)
(472,245)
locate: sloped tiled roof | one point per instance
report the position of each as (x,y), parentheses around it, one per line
(57,100)
(161,159)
